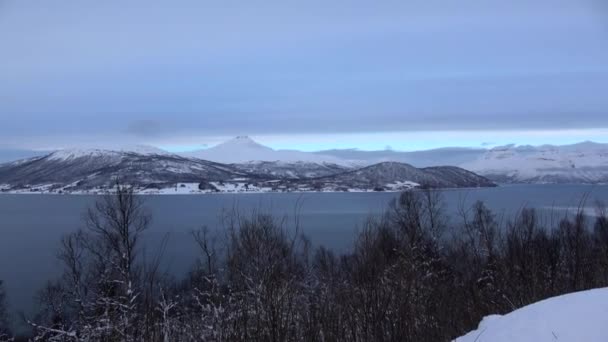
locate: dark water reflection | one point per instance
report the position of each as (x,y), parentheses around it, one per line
(32,225)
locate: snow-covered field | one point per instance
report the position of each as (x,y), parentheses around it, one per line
(575,317)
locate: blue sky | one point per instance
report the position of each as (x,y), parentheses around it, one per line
(308,75)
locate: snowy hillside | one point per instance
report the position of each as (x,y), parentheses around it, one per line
(425,158)
(78,170)
(92,171)
(73,153)
(297,170)
(585,162)
(576,317)
(243,149)
(385,175)
(579,163)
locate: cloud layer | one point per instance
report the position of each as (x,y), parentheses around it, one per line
(166,70)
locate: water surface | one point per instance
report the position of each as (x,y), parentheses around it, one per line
(31,226)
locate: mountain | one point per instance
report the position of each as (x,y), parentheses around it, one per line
(426,158)
(390,175)
(77,170)
(295,170)
(72,153)
(387,176)
(243,149)
(96,170)
(585,162)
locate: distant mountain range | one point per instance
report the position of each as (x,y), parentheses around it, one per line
(291,170)
(585,162)
(158,172)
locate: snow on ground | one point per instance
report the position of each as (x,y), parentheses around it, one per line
(575,317)
(184,189)
(399,185)
(239,187)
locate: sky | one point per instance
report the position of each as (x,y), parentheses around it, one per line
(310,75)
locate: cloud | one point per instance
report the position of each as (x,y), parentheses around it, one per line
(164,72)
(145,128)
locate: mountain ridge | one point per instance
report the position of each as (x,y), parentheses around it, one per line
(97,171)
(585,162)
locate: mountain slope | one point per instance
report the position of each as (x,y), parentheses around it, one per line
(82,169)
(579,163)
(296,170)
(390,174)
(96,170)
(585,162)
(243,149)
(425,158)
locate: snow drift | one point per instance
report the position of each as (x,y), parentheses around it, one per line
(581,316)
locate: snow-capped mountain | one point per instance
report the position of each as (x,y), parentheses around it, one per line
(425,158)
(82,171)
(388,175)
(243,149)
(75,170)
(579,163)
(296,170)
(585,162)
(74,153)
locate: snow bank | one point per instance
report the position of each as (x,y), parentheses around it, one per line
(575,317)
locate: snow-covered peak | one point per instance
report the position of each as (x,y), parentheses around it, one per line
(74,153)
(573,317)
(142,149)
(243,149)
(582,162)
(241,142)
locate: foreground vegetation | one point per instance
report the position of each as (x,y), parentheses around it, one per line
(410,276)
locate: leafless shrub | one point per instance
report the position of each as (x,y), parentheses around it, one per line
(257,280)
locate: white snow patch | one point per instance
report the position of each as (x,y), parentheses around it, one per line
(575,317)
(401,185)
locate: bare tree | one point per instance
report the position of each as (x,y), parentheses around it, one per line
(4,320)
(403,280)
(102,274)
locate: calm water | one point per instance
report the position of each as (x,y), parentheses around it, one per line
(32,225)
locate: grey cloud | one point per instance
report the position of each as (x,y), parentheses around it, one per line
(154,70)
(145,128)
